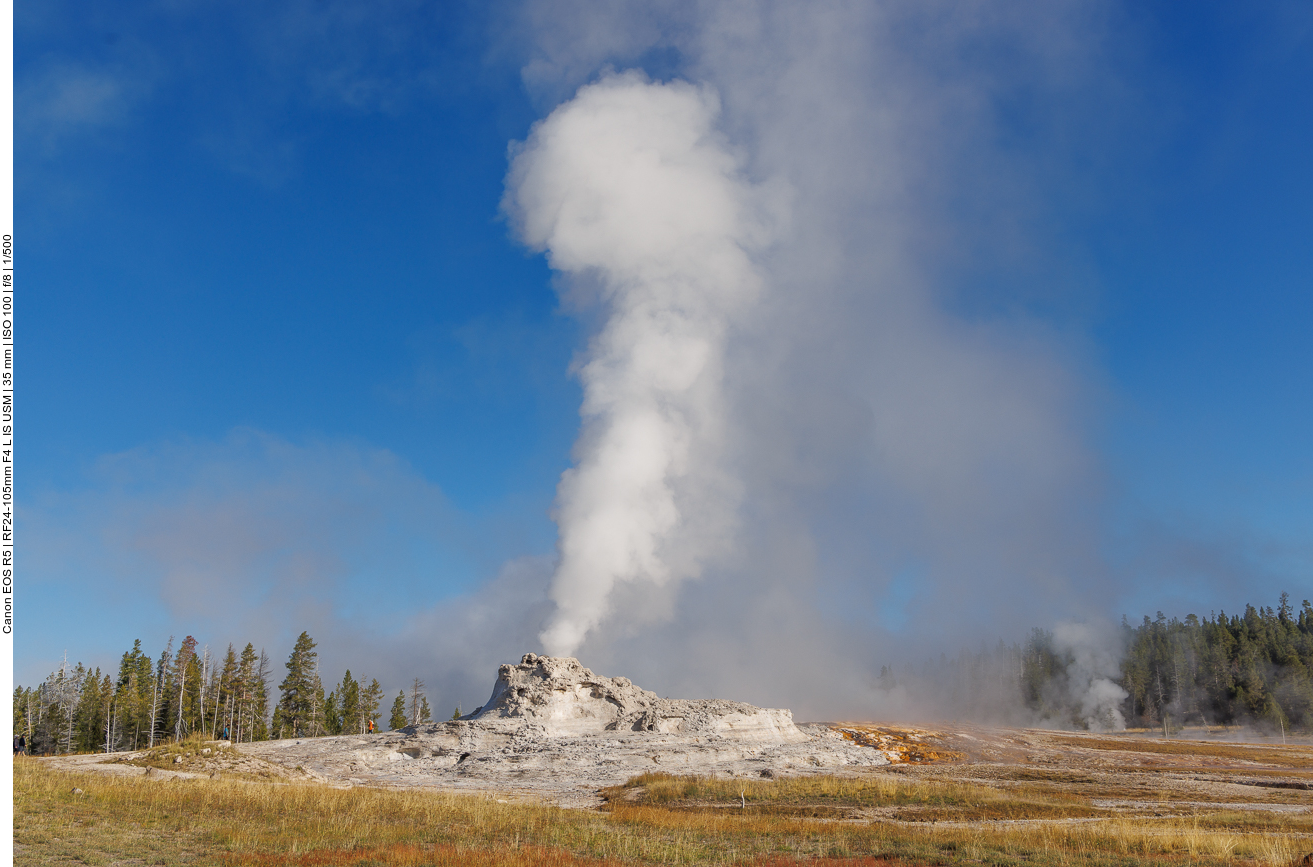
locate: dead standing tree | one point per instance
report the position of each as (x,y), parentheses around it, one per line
(416,695)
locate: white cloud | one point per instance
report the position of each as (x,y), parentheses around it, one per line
(63,100)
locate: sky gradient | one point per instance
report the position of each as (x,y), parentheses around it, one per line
(291,360)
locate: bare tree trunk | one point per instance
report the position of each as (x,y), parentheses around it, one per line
(68,732)
(30,726)
(68,703)
(415,691)
(154,709)
(205,676)
(262,677)
(182,685)
(1162,699)
(314,702)
(109,724)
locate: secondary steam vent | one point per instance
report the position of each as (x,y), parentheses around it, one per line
(562,697)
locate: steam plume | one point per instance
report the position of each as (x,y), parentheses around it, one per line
(633,194)
(1090,674)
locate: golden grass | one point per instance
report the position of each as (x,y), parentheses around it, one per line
(411,855)
(880,789)
(1108,841)
(453,856)
(1289,756)
(134,819)
(826,796)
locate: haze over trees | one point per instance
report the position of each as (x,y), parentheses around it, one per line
(1251,669)
(1254,668)
(1222,670)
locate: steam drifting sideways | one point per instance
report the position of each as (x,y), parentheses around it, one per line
(636,198)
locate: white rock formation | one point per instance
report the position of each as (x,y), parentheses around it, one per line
(554,729)
(566,699)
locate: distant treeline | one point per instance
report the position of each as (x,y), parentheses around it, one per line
(1251,669)
(188,692)
(1255,667)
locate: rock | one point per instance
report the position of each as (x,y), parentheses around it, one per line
(554,729)
(566,699)
(76,791)
(177,760)
(205,752)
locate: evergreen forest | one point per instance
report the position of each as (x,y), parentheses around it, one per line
(1251,669)
(1254,668)
(185,692)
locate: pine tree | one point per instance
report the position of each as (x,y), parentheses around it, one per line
(26,711)
(425,715)
(62,690)
(315,726)
(244,696)
(278,726)
(398,719)
(226,700)
(332,714)
(370,699)
(45,738)
(296,707)
(20,703)
(88,718)
(159,694)
(260,704)
(108,710)
(205,690)
(348,697)
(134,692)
(184,688)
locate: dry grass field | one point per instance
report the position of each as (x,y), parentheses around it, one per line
(1004,797)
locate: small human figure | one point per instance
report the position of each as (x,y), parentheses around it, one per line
(225,733)
(20,745)
(371,727)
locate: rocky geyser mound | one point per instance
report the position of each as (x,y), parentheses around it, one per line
(565,699)
(554,729)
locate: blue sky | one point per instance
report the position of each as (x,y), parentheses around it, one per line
(267,268)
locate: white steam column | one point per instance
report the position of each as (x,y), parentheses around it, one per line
(632,192)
